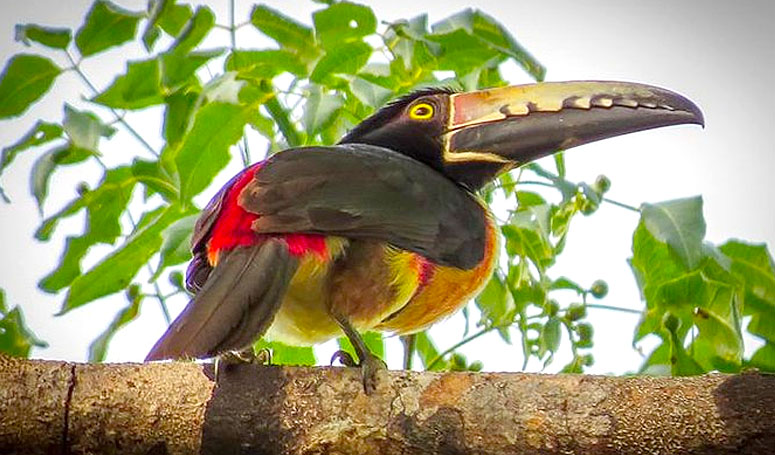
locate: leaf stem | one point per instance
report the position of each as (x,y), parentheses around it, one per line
(622,205)
(466,340)
(245,151)
(158,294)
(549,185)
(281,117)
(119,118)
(612,308)
(232,28)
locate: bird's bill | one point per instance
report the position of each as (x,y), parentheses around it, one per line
(521,123)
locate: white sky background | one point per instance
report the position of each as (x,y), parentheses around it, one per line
(719,54)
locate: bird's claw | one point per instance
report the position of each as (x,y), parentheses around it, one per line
(345,358)
(248,355)
(370,367)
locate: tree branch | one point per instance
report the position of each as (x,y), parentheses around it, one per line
(58,407)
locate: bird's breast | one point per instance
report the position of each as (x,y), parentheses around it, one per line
(444,290)
(364,281)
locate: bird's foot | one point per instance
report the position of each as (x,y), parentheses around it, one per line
(370,366)
(247,355)
(345,358)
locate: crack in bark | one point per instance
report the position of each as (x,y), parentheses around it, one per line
(66,420)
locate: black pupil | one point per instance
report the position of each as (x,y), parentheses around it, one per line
(422,111)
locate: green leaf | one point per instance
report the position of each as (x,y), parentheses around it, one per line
(138,87)
(45,165)
(177,69)
(175,249)
(491,77)
(373,341)
(288,33)
(285,354)
(23,81)
(69,267)
(528,198)
(168,16)
(282,118)
(461,52)
(682,364)
(550,337)
(195,31)
(713,307)
(764,358)
(265,64)
(57,38)
(225,88)
(104,206)
(427,351)
(16,339)
(84,129)
(566,283)
(403,37)
(116,185)
(490,32)
(347,58)
(343,22)
(205,149)
(106,25)
(527,235)
(155,178)
(369,93)
(495,302)
(561,216)
(173,18)
(680,224)
(752,264)
(178,115)
(320,110)
(653,263)
(115,272)
(763,325)
(41,133)
(99,347)
(658,362)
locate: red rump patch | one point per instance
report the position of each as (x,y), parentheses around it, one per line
(233,227)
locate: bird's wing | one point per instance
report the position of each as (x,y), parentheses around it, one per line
(366,192)
(236,304)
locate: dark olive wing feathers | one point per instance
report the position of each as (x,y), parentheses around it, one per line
(354,191)
(366,192)
(235,306)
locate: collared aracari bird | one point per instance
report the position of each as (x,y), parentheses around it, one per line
(384,230)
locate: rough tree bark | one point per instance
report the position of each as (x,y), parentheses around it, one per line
(57,407)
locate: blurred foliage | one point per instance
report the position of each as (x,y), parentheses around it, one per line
(16,338)
(317,81)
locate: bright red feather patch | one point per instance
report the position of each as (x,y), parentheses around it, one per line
(233,227)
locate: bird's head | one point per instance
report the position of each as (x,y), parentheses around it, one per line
(474,136)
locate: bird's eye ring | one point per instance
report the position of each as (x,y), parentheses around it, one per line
(421,111)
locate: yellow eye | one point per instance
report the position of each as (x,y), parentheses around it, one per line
(421,111)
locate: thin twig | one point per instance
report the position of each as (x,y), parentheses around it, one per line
(162,299)
(232,28)
(622,205)
(470,338)
(119,117)
(612,308)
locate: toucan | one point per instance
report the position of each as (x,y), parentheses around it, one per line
(384,231)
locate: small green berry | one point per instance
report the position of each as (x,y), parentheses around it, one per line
(576,311)
(599,289)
